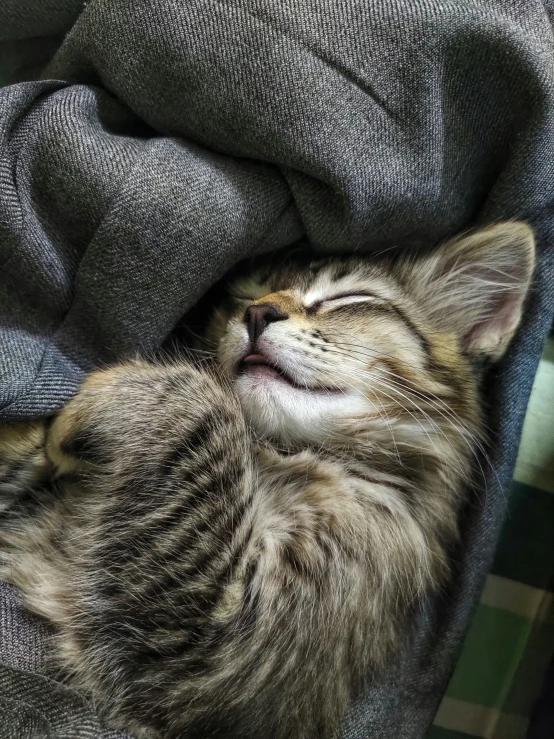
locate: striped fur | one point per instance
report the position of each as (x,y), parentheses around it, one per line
(23,463)
(232,546)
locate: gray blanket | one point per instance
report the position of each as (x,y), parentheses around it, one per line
(168,139)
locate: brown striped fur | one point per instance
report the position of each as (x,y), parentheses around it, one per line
(232,546)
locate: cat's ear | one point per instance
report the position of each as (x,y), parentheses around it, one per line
(475,285)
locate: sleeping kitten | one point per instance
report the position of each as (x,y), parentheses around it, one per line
(232,547)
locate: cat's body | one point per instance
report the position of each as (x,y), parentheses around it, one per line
(234,546)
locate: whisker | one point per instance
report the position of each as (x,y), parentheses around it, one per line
(435,404)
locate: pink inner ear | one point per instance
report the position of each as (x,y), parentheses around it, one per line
(494,333)
(475,285)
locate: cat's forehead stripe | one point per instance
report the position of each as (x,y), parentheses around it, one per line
(326,283)
(318,282)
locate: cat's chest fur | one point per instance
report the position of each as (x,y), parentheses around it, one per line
(314,504)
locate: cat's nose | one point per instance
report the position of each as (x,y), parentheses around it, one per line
(258,317)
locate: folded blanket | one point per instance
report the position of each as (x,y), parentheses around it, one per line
(167,140)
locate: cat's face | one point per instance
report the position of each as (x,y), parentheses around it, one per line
(307,346)
(312,346)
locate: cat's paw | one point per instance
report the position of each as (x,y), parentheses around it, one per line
(73,441)
(132,412)
(23,462)
(83,436)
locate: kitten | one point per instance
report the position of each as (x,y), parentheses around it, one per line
(232,547)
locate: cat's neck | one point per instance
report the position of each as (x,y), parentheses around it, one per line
(411,453)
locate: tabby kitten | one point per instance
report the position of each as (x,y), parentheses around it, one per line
(232,548)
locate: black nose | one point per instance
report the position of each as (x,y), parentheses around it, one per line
(257,317)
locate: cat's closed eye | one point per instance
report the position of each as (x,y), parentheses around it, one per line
(334,302)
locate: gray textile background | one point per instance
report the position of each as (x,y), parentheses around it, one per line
(169,139)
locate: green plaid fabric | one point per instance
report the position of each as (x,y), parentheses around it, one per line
(511,638)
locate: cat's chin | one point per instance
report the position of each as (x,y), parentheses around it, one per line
(278,409)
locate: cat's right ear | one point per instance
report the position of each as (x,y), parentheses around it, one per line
(476,284)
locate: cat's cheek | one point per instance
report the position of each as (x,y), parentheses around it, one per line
(232,348)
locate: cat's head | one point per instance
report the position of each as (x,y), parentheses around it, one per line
(312,345)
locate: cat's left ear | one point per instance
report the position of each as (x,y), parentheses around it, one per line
(476,284)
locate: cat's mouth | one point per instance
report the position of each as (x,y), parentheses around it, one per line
(258,365)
